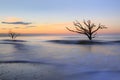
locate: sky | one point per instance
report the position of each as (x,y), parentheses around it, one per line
(53,16)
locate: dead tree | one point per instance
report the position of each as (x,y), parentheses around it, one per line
(89,29)
(13,35)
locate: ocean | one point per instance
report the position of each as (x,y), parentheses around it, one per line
(60,57)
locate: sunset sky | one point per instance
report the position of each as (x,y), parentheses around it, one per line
(52,16)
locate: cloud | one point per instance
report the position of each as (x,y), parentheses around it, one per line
(18,22)
(30,26)
(16,27)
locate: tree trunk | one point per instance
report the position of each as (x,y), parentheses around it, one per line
(90,37)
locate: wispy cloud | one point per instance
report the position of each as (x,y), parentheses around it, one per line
(30,26)
(16,27)
(18,22)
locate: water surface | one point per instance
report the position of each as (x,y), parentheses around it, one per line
(43,58)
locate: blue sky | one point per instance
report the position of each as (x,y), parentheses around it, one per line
(63,7)
(56,11)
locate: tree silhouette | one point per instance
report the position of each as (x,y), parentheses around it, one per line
(89,29)
(13,35)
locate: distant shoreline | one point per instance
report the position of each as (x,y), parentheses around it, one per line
(6,35)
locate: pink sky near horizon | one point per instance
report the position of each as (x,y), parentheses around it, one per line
(53,28)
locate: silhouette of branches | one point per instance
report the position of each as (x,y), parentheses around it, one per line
(13,35)
(89,29)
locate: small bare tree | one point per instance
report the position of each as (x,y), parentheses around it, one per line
(13,35)
(89,29)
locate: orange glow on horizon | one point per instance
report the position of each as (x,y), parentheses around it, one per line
(57,28)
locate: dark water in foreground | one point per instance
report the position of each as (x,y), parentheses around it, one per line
(60,58)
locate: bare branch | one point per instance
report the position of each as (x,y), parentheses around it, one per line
(74,31)
(78,29)
(85,23)
(99,27)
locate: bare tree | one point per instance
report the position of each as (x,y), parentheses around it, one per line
(13,35)
(89,29)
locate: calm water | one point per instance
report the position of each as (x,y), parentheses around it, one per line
(68,61)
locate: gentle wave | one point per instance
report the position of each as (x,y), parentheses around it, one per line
(84,42)
(30,62)
(22,61)
(14,40)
